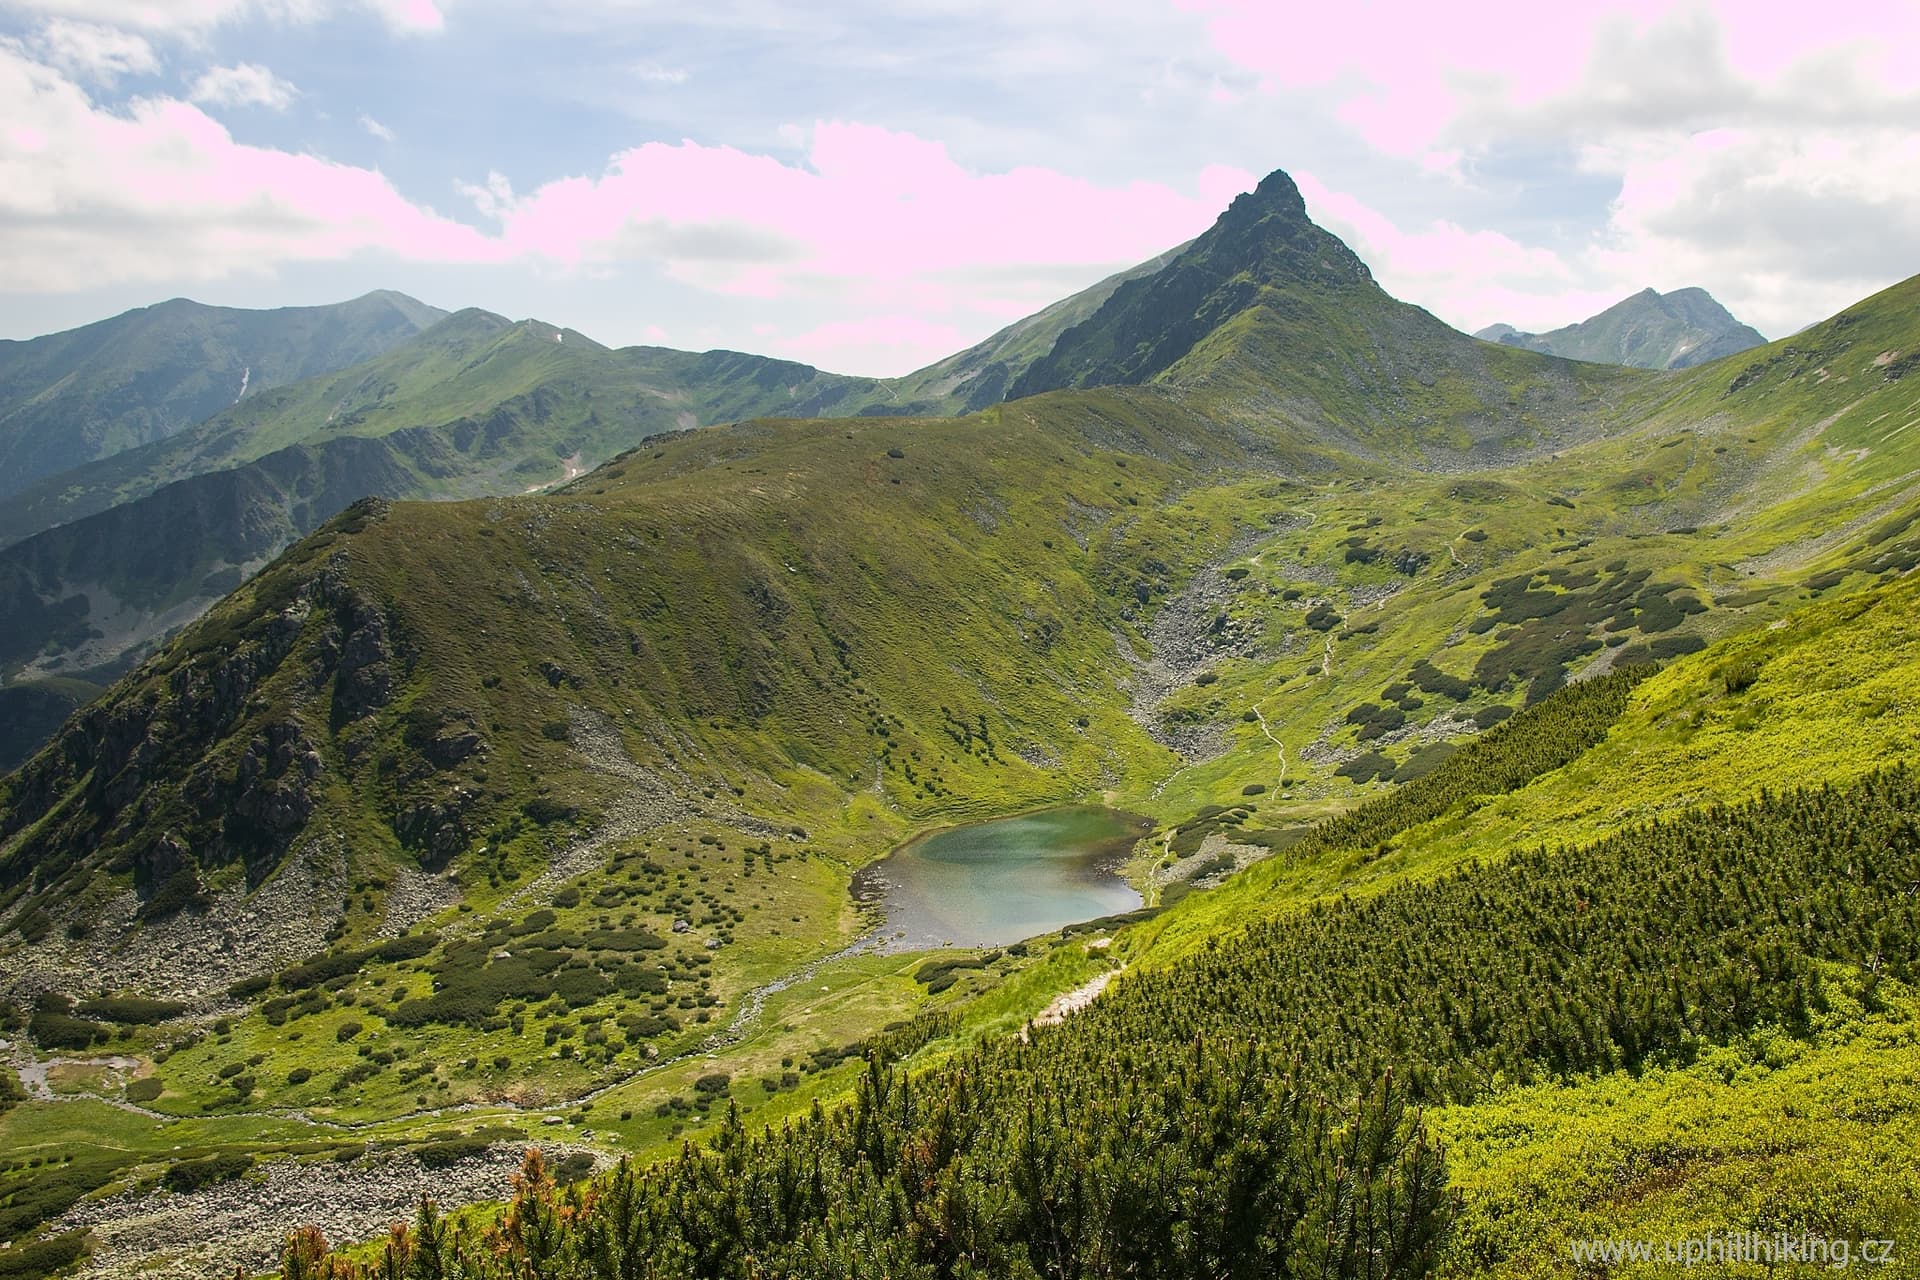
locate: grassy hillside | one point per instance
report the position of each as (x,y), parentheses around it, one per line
(478,406)
(145,540)
(71,398)
(1273,316)
(486,405)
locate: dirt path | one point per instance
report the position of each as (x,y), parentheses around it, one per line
(1279,745)
(1068,1003)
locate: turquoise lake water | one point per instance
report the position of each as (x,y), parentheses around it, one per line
(991,883)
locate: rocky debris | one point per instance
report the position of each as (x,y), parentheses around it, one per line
(1243,855)
(1191,632)
(413,896)
(436,828)
(1082,519)
(1068,1003)
(1038,756)
(453,745)
(241,1225)
(173,734)
(190,955)
(363,682)
(643,801)
(558,675)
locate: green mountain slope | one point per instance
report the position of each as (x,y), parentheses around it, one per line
(32,711)
(88,597)
(984,373)
(517,404)
(71,398)
(1272,313)
(142,542)
(459,812)
(1649,331)
(478,405)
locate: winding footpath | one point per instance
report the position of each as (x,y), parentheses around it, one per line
(1278,745)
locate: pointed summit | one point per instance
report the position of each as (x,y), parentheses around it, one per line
(1269,314)
(1263,250)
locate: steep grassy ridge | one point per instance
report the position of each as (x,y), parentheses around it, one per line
(986,372)
(147,539)
(802,625)
(480,404)
(1271,314)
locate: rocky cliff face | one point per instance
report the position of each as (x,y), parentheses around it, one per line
(100,797)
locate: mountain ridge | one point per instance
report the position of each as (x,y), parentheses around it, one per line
(1648,330)
(74,397)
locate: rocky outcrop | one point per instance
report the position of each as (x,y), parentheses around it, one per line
(174,745)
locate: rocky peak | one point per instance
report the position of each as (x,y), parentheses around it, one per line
(1262,249)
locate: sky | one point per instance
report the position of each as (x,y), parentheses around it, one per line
(873,185)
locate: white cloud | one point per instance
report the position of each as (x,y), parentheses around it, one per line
(1467,278)
(93,52)
(410,15)
(245,85)
(375,128)
(1755,151)
(903,342)
(187,17)
(1785,227)
(161,192)
(651,74)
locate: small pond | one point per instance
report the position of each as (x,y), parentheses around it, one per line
(992,883)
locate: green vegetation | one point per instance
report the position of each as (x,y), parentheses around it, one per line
(1175,1117)
(75,397)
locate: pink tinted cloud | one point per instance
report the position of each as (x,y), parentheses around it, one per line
(896,341)
(1400,70)
(871,205)
(193,16)
(876,222)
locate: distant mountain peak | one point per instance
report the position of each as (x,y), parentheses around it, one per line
(1649,330)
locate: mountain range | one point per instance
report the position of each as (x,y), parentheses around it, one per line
(1520,739)
(1650,330)
(75,397)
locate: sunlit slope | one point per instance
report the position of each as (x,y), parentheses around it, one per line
(984,373)
(1384,617)
(1649,331)
(147,539)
